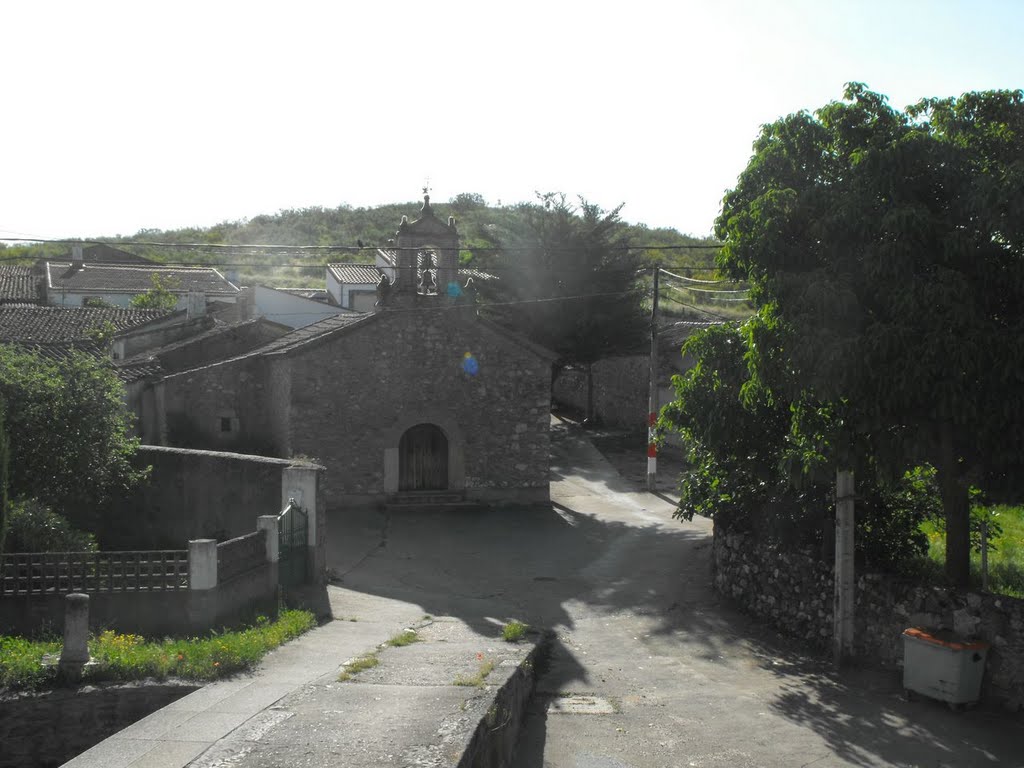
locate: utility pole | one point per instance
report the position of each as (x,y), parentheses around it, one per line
(652,401)
(845,586)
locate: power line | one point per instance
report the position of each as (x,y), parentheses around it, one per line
(693,279)
(715,298)
(328,248)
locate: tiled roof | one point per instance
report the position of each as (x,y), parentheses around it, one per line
(322,328)
(47,325)
(193,351)
(61,350)
(355,274)
(368,274)
(132,278)
(17,284)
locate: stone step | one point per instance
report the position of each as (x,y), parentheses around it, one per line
(432,500)
(416,498)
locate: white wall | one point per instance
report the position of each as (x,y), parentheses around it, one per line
(288,309)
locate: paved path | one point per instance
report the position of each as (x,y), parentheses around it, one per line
(688,682)
(673,677)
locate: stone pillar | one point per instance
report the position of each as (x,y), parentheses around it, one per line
(202,564)
(75,653)
(268,523)
(302,484)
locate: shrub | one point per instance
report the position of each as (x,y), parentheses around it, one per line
(33,527)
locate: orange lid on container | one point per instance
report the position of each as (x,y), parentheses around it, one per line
(953,645)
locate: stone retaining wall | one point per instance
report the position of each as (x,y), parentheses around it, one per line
(48,729)
(793,591)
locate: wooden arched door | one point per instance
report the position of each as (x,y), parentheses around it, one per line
(423,459)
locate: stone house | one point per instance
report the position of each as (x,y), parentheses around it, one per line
(76,282)
(421,399)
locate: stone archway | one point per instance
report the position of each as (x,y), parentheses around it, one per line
(423,459)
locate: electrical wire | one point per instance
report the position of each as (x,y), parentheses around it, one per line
(328,248)
(694,279)
(715,298)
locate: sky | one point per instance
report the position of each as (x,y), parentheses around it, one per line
(123,116)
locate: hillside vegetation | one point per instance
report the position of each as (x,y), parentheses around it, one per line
(339,231)
(290,248)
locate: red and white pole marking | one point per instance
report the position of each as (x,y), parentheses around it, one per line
(652,448)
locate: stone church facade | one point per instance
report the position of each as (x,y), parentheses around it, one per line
(422,398)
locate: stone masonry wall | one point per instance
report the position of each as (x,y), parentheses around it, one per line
(620,390)
(197,401)
(353,396)
(793,591)
(48,729)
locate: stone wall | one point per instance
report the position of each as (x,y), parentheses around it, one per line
(346,398)
(793,591)
(621,390)
(223,407)
(352,401)
(48,729)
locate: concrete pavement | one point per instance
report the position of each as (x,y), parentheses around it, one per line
(690,682)
(649,667)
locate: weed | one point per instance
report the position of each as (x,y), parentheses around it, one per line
(477,680)
(514,631)
(408,637)
(354,667)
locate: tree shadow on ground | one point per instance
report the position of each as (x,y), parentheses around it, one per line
(541,563)
(866,719)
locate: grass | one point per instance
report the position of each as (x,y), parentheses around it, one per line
(514,631)
(477,680)
(1005,556)
(408,637)
(354,667)
(133,657)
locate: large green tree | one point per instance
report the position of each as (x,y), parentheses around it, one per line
(567,280)
(69,433)
(885,250)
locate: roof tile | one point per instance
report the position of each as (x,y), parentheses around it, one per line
(48,325)
(135,278)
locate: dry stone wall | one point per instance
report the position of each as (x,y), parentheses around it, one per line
(793,591)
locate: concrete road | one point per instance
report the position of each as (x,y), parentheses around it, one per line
(650,668)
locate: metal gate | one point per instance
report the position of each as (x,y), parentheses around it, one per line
(292,550)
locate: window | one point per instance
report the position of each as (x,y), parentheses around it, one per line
(225,423)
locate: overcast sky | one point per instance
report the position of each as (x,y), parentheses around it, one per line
(123,116)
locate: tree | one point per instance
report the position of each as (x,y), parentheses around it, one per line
(886,258)
(69,432)
(567,281)
(160,296)
(5,456)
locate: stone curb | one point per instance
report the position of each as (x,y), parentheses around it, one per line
(492,743)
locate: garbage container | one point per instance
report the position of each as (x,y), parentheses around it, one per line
(942,666)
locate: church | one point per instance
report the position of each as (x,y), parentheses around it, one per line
(421,401)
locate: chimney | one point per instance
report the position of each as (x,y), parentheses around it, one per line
(77,262)
(196,304)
